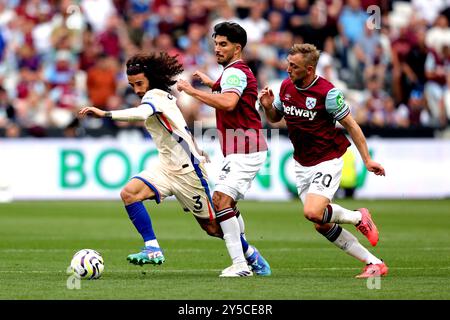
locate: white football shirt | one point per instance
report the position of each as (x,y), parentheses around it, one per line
(166,125)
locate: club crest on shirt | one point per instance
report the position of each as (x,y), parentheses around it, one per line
(310,102)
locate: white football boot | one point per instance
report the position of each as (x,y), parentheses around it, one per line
(237,270)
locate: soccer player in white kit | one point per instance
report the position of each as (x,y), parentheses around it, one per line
(180,171)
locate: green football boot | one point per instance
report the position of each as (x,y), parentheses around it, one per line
(148,255)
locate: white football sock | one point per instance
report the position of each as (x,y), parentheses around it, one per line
(231,235)
(342,215)
(350,244)
(241,222)
(152,243)
(250,249)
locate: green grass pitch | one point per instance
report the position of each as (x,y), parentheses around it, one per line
(38,239)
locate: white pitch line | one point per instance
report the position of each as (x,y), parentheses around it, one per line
(215,270)
(215,249)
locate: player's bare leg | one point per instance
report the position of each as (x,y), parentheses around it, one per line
(133,195)
(211,227)
(314,204)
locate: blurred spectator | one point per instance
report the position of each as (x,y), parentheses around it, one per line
(300,13)
(2,44)
(135,28)
(326,66)
(195,46)
(64,102)
(401,47)
(314,29)
(101,81)
(165,43)
(376,100)
(224,12)
(112,35)
(445,102)
(276,23)
(283,8)
(8,115)
(140,6)
(437,67)
(266,52)
(439,35)
(243,8)
(179,23)
(428,9)
(197,13)
(35,10)
(332,10)
(415,111)
(28,57)
(6,14)
(97,13)
(351,28)
(414,65)
(61,70)
(255,24)
(91,50)
(368,56)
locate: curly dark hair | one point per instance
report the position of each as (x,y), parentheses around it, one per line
(159,69)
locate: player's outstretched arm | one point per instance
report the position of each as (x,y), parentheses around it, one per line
(266,99)
(359,139)
(140,113)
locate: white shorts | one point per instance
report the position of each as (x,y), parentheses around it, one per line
(191,189)
(237,173)
(322,179)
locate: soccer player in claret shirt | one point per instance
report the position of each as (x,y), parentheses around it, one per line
(180,171)
(311,106)
(244,147)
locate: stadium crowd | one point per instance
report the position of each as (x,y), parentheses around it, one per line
(391,58)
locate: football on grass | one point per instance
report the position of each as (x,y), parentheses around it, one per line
(87,264)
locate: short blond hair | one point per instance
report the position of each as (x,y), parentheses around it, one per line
(308,51)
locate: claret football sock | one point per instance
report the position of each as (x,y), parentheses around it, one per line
(141,220)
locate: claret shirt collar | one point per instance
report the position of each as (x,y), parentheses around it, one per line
(231,63)
(309,86)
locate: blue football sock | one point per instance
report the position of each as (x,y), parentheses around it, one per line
(244,243)
(141,220)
